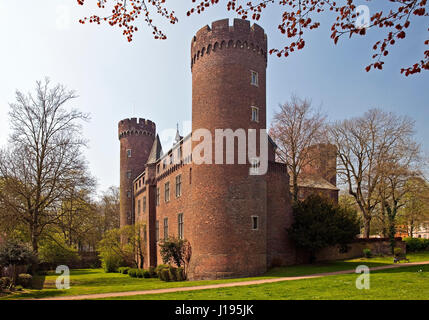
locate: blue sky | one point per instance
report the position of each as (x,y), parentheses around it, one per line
(152,79)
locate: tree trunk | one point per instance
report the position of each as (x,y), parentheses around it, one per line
(366,227)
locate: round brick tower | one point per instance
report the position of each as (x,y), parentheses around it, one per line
(136,138)
(228,81)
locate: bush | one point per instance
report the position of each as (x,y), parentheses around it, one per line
(367,253)
(152,272)
(146,274)
(416,244)
(56,252)
(132,272)
(180,274)
(5,283)
(18,288)
(397,252)
(13,253)
(111,262)
(164,274)
(160,267)
(25,280)
(172,273)
(319,223)
(140,273)
(123,270)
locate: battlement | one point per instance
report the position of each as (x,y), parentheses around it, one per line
(221,35)
(136,126)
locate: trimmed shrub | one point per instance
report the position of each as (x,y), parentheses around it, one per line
(132,272)
(25,280)
(161,267)
(152,272)
(146,274)
(180,274)
(172,273)
(140,273)
(367,253)
(416,244)
(123,270)
(164,274)
(18,288)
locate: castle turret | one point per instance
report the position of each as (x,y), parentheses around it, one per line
(228,92)
(136,139)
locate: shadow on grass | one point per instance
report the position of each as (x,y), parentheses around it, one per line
(323,267)
(38,282)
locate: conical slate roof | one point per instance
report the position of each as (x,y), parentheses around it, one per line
(156,151)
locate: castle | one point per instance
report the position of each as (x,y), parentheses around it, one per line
(235,222)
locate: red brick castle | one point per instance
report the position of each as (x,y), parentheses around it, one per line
(235,222)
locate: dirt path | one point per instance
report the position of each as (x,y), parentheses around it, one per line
(225,285)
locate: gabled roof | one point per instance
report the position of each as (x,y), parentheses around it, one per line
(155,152)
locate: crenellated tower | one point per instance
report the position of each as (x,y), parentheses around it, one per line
(136,138)
(228,92)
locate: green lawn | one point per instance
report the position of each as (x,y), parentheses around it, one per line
(89,281)
(398,284)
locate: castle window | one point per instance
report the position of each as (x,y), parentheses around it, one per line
(144,233)
(165,228)
(164,163)
(171,159)
(140,183)
(254,78)
(255,114)
(179,153)
(129,153)
(178,186)
(255,223)
(157,168)
(128,194)
(144,204)
(138,207)
(167,192)
(129,174)
(157,196)
(157,230)
(254,166)
(180,225)
(190,175)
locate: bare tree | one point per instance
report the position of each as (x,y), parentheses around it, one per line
(365,146)
(415,212)
(399,168)
(43,161)
(108,207)
(296,127)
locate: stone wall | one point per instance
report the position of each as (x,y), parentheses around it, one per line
(378,246)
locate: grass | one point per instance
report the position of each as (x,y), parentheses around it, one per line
(90,281)
(398,284)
